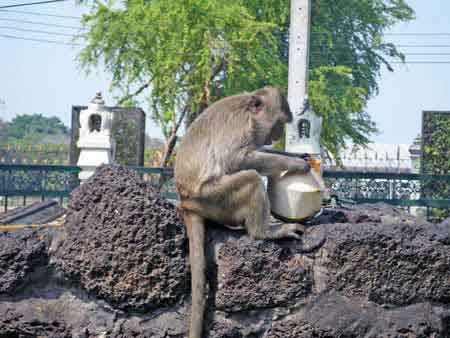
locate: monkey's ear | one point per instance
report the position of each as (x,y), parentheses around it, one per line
(256,104)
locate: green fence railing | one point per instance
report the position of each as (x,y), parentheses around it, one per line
(400,189)
(162,178)
(31,182)
(27,182)
(21,184)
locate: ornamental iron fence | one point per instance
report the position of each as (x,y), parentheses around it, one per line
(21,184)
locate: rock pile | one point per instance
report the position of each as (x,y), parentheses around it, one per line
(124,243)
(119,269)
(20,254)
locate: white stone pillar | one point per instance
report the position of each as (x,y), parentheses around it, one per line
(95,140)
(303,134)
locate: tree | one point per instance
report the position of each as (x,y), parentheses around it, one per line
(436,158)
(34,127)
(347,54)
(181,55)
(3,131)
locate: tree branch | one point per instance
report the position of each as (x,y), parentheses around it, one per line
(137,92)
(171,142)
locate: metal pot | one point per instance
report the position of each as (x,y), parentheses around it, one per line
(295,197)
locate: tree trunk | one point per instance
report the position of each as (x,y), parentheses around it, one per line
(171,142)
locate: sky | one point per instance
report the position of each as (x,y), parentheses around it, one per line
(41,77)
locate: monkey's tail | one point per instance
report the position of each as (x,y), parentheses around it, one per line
(196,233)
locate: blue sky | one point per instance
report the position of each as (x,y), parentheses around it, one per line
(37,77)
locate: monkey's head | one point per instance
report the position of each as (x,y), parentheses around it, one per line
(269,113)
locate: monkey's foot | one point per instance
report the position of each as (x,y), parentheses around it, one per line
(275,222)
(285,230)
(311,240)
(293,230)
(234,227)
(314,240)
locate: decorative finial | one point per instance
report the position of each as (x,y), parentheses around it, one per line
(98,99)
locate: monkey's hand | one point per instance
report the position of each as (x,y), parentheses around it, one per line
(298,165)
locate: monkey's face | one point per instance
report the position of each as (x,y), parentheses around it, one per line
(277,131)
(267,131)
(270,111)
(285,110)
(262,131)
(281,114)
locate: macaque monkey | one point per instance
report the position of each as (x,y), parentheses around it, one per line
(217,175)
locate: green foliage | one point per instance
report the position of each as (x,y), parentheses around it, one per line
(125,134)
(177,47)
(22,151)
(347,53)
(3,131)
(341,105)
(436,143)
(350,33)
(167,52)
(31,128)
(436,157)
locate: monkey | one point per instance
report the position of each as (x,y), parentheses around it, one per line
(217,176)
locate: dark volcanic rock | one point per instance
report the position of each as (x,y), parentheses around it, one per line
(365,213)
(124,242)
(378,213)
(14,325)
(118,270)
(259,274)
(389,264)
(333,316)
(21,252)
(225,330)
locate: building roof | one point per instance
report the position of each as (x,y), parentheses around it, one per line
(376,156)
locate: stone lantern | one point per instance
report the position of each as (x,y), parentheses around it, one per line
(95,141)
(303,135)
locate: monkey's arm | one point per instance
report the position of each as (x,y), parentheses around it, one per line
(284,153)
(268,164)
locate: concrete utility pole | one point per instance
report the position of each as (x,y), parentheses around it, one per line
(303,134)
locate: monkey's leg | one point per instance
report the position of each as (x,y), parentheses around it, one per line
(196,233)
(241,199)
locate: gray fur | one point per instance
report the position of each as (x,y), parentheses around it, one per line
(217,173)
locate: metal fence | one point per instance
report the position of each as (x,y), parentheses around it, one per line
(22,184)
(403,189)
(400,189)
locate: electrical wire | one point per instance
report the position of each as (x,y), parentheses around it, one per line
(41,14)
(39,23)
(314,54)
(37,31)
(7,36)
(398,34)
(75,44)
(32,3)
(422,46)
